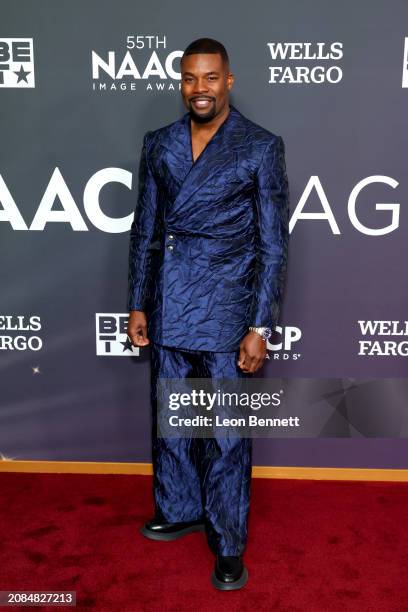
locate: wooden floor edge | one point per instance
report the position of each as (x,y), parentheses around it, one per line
(258,471)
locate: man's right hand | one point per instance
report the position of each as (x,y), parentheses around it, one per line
(137,328)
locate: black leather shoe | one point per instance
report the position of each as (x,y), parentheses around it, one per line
(160,530)
(229,573)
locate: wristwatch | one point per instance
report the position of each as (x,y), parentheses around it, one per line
(264,332)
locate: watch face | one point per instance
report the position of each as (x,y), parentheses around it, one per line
(267,333)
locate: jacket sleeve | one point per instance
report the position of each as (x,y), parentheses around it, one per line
(141,232)
(272,224)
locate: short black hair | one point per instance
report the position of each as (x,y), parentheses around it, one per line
(207,45)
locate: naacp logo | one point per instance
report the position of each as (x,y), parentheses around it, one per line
(283,343)
(145,62)
(111,335)
(16,62)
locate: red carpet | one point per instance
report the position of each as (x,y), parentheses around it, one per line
(313,546)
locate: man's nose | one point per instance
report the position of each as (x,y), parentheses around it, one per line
(201,85)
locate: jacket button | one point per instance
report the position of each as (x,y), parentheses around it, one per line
(171,236)
(170,247)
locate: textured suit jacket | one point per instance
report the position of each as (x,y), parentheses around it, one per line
(208,242)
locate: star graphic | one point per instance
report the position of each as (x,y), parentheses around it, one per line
(36,370)
(22,74)
(128,346)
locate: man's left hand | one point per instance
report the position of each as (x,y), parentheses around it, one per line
(252,352)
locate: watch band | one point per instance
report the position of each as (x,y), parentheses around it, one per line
(264,332)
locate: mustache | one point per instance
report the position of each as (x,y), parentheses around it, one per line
(201,98)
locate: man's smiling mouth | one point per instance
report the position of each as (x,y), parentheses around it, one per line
(201,102)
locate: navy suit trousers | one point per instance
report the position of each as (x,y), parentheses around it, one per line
(201,478)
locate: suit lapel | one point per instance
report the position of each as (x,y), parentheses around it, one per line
(218,155)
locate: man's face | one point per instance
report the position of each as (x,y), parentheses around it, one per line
(205,83)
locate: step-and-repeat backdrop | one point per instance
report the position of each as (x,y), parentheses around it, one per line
(80,84)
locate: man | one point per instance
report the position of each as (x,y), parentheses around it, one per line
(207,260)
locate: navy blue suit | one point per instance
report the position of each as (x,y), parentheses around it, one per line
(227,213)
(207,259)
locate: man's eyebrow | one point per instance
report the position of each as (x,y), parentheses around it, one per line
(206,73)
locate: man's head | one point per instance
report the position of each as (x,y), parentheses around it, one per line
(205,79)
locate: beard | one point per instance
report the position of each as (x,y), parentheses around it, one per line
(198,118)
